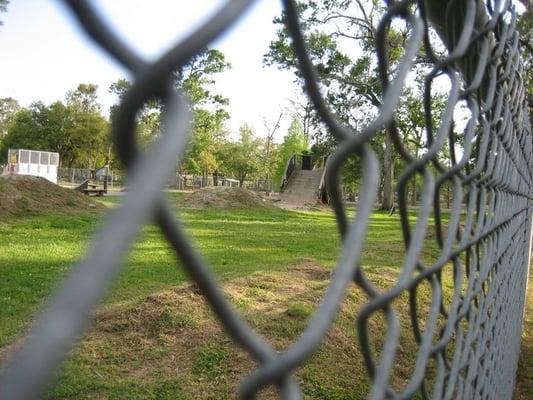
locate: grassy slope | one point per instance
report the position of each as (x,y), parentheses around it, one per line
(236,243)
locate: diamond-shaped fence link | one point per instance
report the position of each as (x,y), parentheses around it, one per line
(468,344)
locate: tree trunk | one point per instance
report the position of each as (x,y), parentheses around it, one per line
(204,178)
(387,199)
(180,182)
(242,177)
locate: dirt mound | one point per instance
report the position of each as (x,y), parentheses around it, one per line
(225,197)
(23,193)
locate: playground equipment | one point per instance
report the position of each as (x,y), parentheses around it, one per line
(33,162)
(96,184)
(302,183)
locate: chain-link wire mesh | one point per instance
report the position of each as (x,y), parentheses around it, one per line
(468,344)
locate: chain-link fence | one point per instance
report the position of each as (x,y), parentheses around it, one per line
(472,339)
(178,180)
(75,176)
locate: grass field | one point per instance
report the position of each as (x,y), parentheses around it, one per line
(155,338)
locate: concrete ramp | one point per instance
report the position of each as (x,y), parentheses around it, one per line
(302,190)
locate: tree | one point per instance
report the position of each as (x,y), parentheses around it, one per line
(206,139)
(349,78)
(195,79)
(8,108)
(76,130)
(84,98)
(89,131)
(243,157)
(148,118)
(20,133)
(293,143)
(269,155)
(302,109)
(43,128)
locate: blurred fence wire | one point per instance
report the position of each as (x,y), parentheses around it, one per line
(472,339)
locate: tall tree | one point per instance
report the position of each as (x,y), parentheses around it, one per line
(301,108)
(89,130)
(208,135)
(269,149)
(84,98)
(196,79)
(243,157)
(293,143)
(148,118)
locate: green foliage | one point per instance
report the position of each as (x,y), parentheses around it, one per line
(197,77)
(350,83)
(148,118)
(243,157)
(196,80)
(42,128)
(84,99)
(119,89)
(340,37)
(205,142)
(209,116)
(293,143)
(76,130)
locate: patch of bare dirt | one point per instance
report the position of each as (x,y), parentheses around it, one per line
(23,193)
(225,197)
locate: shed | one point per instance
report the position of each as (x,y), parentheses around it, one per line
(33,162)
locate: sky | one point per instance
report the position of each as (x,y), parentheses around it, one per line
(43,53)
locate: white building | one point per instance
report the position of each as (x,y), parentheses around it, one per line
(33,162)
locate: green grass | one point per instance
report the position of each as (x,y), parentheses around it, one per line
(135,351)
(39,249)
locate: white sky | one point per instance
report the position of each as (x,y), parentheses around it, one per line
(43,53)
